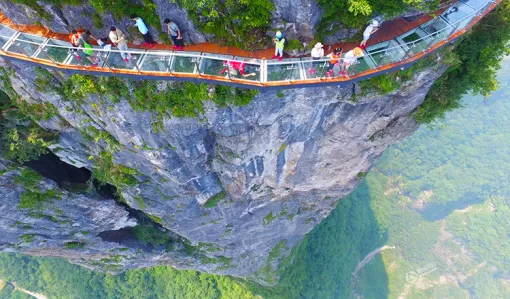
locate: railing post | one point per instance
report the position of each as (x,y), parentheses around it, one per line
(228,71)
(198,61)
(9,42)
(104,56)
(41,47)
(136,63)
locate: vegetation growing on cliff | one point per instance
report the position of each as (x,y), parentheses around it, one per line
(356,13)
(107,172)
(480,53)
(180,99)
(242,23)
(33,197)
(21,138)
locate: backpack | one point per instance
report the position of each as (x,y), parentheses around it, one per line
(88,48)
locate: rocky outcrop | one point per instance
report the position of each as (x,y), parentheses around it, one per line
(69,220)
(275,168)
(297,18)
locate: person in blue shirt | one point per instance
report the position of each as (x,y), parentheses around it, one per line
(147,37)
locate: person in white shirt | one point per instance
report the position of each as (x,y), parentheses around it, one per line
(350,58)
(317,53)
(119,39)
(371,29)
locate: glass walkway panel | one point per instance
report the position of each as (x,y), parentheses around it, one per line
(459,15)
(156,62)
(416,40)
(185,63)
(215,65)
(26,44)
(53,51)
(438,28)
(251,67)
(114,60)
(287,70)
(386,52)
(477,4)
(362,64)
(315,69)
(5,34)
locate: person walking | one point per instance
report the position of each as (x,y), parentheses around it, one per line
(279,42)
(349,59)
(88,50)
(119,39)
(371,29)
(175,34)
(147,37)
(317,53)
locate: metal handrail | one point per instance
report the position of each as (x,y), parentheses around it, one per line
(43,46)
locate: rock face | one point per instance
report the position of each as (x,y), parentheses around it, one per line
(297,18)
(69,218)
(276,167)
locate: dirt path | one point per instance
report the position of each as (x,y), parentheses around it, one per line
(35,295)
(362,264)
(368,258)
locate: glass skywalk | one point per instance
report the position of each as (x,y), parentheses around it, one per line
(257,73)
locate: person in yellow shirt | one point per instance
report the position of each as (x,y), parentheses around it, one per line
(279,42)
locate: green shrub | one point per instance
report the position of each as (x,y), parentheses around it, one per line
(225,96)
(213,201)
(74,245)
(43,79)
(384,83)
(113,88)
(106,172)
(269,218)
(42,111)
(151,235)
(242,23)
(78,87)
(35,199)
(25,144)
(27,238)
(294,44)
(28,178)
(124,8)
(356,13)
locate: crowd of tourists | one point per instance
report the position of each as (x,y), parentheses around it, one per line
(81,38)
(338,63)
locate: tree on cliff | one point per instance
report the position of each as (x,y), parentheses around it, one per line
(480,54)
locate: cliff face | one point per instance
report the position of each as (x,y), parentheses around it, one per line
(275,167)
(236,188)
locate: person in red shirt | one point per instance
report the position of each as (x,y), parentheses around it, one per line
(237,66)
(73,39)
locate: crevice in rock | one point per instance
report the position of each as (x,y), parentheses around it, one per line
(73,179)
